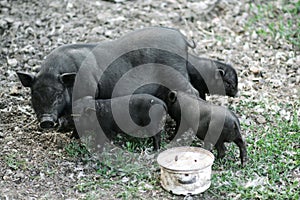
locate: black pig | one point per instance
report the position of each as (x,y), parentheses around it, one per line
(145,111)
(52,88)
(216,77)
(213,124)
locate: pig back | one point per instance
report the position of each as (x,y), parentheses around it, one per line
(65,59)
(109,61)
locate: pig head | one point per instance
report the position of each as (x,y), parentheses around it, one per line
(50,96)
(212,76)
(52,87)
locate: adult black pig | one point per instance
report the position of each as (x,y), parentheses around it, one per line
(211,123)
(52,87)
(140,115)
(220,78)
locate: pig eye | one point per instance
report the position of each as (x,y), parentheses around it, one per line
(58,96)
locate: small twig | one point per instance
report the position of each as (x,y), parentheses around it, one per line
(212,7)
(205,31)
(33,121)
(55,138)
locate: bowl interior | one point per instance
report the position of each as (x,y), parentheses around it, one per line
(185,158)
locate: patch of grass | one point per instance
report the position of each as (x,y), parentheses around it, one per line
(15,163)
(124,173)
(271,172)
(91,197)
(133,144)
(49,170)
(274,156)
(220,38)
(276,22)
(75,149)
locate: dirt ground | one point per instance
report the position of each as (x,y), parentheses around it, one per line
(34,164)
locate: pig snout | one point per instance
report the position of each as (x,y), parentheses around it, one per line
(47,121)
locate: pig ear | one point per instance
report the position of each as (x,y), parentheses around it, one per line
(26,78)
(172,96)
(237,127)
(222,72)
(68,79)
(219,72)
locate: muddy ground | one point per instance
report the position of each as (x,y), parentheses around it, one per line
(35,164)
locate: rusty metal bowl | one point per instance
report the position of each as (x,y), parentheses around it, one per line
(185,170)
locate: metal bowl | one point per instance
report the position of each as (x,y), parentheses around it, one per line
(185,170)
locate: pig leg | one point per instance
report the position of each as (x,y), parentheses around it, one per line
(208,146)
(221,150)
(243,152)
(202,95)
(101,139)
(156,141)
(180,128)
(74,134)
(65,124)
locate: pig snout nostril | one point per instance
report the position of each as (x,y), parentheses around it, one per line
(47,122)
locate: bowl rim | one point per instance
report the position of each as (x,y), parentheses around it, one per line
(162,155)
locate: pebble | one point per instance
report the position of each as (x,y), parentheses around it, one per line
(260,119)
(55,4)
(14,91)
(293,80)
(188,197)
(98,30)
(246,46)
(108,33)
(20,175)
(255,70)
(44,40)
(3,24)
(297,81)
(291,61)
(276,83)
(12,62)
(8,174)
(32,62)
(254,35)
(280,55)
(247,122)
(9,19)
(125,179)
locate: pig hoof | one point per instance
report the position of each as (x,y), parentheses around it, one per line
(156,149)
(74,135)
(244,162)
(220,156)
